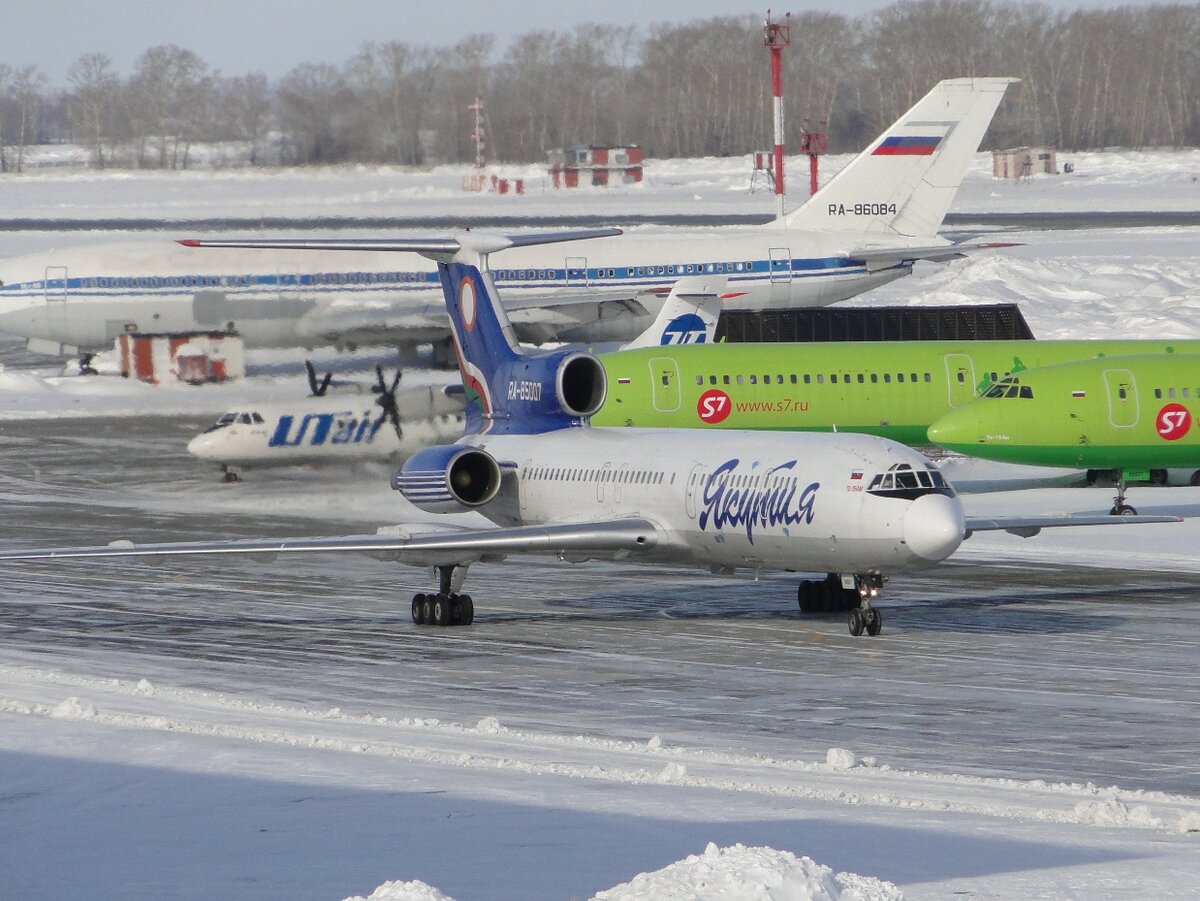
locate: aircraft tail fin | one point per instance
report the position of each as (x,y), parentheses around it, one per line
(906,179)
(689,314)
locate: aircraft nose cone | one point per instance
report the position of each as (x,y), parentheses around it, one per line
(957,430)
(202,446)
(934,526)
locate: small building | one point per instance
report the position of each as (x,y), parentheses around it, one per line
(585,164)
(192,357)
(1022,162)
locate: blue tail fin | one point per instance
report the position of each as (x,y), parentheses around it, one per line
(483,340)
(508,388)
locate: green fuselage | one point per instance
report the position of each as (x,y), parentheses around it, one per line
(1133,413)
(895,389)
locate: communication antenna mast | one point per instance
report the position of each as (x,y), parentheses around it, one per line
(776,36)
(479,135)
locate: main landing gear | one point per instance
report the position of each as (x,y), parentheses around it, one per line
(447,607)
(852,593)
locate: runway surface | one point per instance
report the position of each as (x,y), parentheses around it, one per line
(1007,669)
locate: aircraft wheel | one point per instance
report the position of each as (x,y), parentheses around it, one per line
(418,609)
(1195,479)
(874,621)
(804,596)
(854,619)
(466,608)
(441,610)
(1122,510)
(427,610)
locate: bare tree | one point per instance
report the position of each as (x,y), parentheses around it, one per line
(314,105)
(169,97)
(247,102)
(95,91)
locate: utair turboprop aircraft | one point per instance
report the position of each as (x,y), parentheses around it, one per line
(555,486)
(1134,416)
(390,423)
(343,428)
(865,228)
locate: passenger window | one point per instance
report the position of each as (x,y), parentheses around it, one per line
(725,380)
(753,380)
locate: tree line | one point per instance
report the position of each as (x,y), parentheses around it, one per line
(1128,76)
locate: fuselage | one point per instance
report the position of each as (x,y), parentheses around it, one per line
(1132,413)
(891,389)
(84,298)
(811,503)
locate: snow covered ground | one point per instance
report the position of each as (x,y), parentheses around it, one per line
(150,767)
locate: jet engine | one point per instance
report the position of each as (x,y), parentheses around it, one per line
(448,478)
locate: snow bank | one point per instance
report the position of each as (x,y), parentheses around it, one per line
(749,873)
(404,891)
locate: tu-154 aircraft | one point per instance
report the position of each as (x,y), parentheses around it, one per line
(855,506)
(1134,415)
(863,229)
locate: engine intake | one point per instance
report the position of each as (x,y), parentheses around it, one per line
(448,479)
(581,384)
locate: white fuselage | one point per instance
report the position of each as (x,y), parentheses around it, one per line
(83,298)
(781,501)
(330,429)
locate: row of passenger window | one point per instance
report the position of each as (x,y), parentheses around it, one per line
(625,272)
(617,476)
(1174,393)
(819,378)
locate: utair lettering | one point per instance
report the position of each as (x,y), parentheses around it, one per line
(340,428)
(766,501)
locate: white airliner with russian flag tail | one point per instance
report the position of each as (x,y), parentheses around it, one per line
(555,486)
(866,227)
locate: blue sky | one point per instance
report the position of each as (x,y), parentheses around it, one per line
(241,36)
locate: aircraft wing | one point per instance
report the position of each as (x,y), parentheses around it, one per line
(420,545)
(887,257)
(1028,526)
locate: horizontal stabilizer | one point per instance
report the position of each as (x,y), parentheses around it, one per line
(436,248)
(1028,526)
(878,258)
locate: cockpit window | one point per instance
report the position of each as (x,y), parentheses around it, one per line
(902,481)
(1009,387)
(226,419)
(258,420)
(244,419)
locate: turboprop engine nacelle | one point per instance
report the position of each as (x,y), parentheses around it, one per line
(449,478)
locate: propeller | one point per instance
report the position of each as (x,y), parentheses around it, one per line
(317,390)
(386,397)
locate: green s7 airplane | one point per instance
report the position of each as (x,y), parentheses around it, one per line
(894,389)
(1135,415)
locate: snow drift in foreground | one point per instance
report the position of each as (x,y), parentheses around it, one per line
(752,874)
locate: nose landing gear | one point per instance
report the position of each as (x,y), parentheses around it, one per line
(851,593)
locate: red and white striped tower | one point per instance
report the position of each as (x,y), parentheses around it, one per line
(776,36)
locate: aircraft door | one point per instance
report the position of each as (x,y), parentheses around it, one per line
(603,478)
(780,263)
(1122,398)
(576,272)
(55,283)
(54,287)
(960,376)
(667,392)
(692,489)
